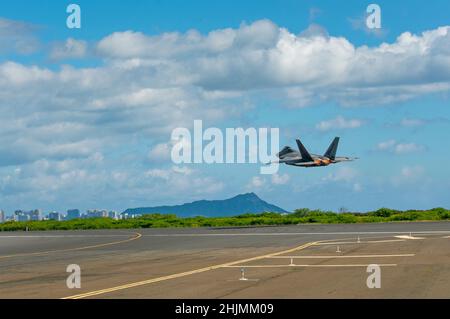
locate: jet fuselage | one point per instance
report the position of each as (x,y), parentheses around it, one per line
(303,158)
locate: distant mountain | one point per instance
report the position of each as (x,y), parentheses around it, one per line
(241,204)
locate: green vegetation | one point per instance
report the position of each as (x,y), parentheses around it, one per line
(300,216)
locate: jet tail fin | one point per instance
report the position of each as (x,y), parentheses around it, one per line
(332,149)
(305,155)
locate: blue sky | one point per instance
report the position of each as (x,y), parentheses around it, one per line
(86,115)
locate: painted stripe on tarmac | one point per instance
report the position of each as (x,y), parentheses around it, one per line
(63,236)
(309,266)
(362,242)
(183,274)
(409,237)
(40,253)
(344,256)
(295,234)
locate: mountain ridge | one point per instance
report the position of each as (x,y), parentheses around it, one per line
(237,205)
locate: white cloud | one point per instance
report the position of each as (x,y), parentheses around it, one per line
(184,170)
(406,122)
(19,37)
(280,179)
(159,173)
(409,174)
(263,55)
(339,123)
(70,49)
(412,172)
(182,179)
(357,187)
(345,174)
(359,23)
(399,148)
(13,75)
(256,182)
(386,145)
(131,44)
(408,148)
(161,152)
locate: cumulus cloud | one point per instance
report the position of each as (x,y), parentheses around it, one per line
(399,148)
(280,179)
(386,145)
(43,182)
(415,123)
(146,85)
(160,152)
(256,182)
(412,172)
(339,123)
(183,179)
(360,23)
(19,37)
(408,148)
(345,174)
(70,49)
(76,112)
(408,174)
(407,122)
(263,55)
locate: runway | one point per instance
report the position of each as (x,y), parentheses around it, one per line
(301,261)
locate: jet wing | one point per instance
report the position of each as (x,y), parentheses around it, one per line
(307,163)
(302,164)
(287,160)
(306,157)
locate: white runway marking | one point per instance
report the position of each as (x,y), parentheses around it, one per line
(344,256)
(62,236)
(39,253)
(297,233)
(409,237)
(307,266)
(232,234)
(361,242)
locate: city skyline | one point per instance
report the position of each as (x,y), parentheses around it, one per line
(37,215)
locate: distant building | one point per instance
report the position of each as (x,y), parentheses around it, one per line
(94,213)
(35,215)
(130,216)
(55,216)
(23,216)
(20,216)
(114,215)
(2,216)
(73,214)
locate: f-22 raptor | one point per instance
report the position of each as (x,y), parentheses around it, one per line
(303,158)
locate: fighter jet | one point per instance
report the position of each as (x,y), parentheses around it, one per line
(303,158)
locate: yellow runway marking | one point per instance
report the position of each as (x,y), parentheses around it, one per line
(138,235)
(346,256)
(183,274)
